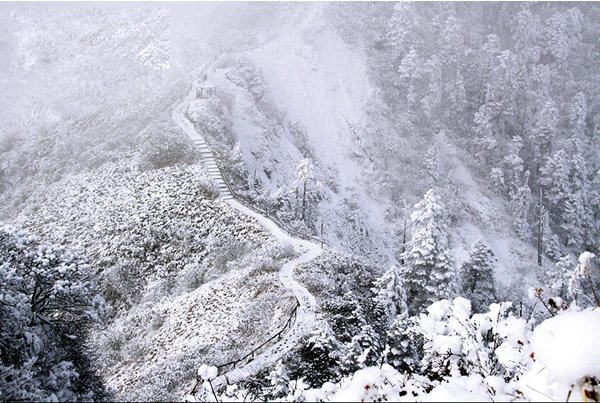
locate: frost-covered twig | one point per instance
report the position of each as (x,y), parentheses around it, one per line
(589,277)
(537,293)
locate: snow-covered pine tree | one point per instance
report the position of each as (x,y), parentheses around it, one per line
(510,171)
(577,115)
(581,286)
(408,74)
(520,202)
(485,139)
(390,298)
(555,175)
(236,167)
(563,31)
(402,29)
(452,50)
(432,164)
(403,343)
(307,190)
(320,358)
(558,276)
(428,274)
(279,380)
(477,277)
(581,192)
(550,242)
(432,101)
(594,198)
(544,130)
(365,346)
(572,224)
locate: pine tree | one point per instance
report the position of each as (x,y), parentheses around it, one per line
(513,167)
(577,115)
(486,137)
(555,177)
(432,164)
(390,299)
(581,193)
(594,198)
(562,34)
(558,276)
(572,220)
(409,73)
(520,202)
(402,28)
(477,277)
(320,356)
(404,344)
(428,274)
(526,32)
(365,347)
(307,190)
(236,165)
(452,48)
(279,380)
(550,242)
(544,130)
(432,101)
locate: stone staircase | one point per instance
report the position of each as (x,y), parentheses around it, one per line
(209,161)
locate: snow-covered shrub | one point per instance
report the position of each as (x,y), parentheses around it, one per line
(144,225)
(458,343)
(164,146)
(190,277)
(244,74)
(48,300)
(317,359)
(224,248)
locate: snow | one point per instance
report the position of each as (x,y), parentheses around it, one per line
(364,385)
(461,389)
(567,346)
(207,372)
(461,308)
(322,83)
(585,260)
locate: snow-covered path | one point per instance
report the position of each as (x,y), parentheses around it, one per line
(306,316)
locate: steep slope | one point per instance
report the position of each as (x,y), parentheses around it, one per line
(305,94)
(308,94)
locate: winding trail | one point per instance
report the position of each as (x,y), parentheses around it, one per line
(306,317)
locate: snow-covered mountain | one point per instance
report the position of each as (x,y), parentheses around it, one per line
(296,198)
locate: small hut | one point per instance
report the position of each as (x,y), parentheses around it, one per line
(205,90)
